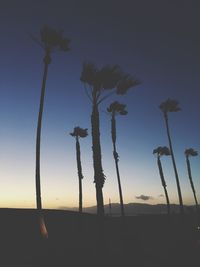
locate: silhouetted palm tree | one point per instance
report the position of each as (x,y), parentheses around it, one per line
(116,108)
(110,207)
(50,40)
(79,132)
(160,151)
(97,82)
(172,106)
(191,153)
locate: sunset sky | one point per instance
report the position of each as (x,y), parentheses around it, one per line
(156,41)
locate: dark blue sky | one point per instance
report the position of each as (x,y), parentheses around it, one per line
(156,41)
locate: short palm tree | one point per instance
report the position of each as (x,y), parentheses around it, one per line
(50,40)
(79,133)
(163,151)
(99,84)
(115,109)
(172,106)
(191,153)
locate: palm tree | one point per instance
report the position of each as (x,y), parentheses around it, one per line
(114,109)
(99,84)
(191,153)
(160,151)
(172,106)
(110,207)
(77,133)
(50,40)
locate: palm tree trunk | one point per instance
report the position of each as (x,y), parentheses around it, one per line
(47,61)
(163,184)
(99,176)
(116,158)
(191,181)
(80,175)
(174,166)
(110,207)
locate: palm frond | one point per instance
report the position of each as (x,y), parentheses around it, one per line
(52,38)
(126,83)
(191,152)
(89,73)
(79,132)
(117,108)
(170,105)
(162,151)
(109,76)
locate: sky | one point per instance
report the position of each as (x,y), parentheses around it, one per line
(157,42)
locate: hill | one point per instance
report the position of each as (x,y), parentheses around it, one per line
(133,209)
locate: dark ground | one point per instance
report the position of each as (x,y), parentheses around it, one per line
(75,240)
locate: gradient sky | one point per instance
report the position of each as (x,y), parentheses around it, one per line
(156,41)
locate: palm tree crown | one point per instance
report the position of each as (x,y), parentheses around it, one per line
(79,132)
(52,39)
(107,78)
(117,108)
(191,152)
(162,151)
(170,105)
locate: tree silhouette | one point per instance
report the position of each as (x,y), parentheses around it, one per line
(99,84)
(191,153)
(77,133)
(172,106)
(115,109)
(163,151)
(50,40)
(110,207)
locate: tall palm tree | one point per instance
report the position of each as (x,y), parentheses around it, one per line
(77,133)
(115,109)
(172,106)
(191,153)
(99,84)
(160,151)
(110,207)
(50,40)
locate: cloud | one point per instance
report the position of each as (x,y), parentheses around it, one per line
(143,197)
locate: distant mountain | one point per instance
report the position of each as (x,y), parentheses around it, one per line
(132,209)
